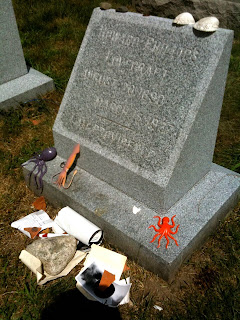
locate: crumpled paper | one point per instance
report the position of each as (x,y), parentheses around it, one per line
(98,260)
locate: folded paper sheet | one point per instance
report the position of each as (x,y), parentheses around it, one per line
(79,227)
(38,219)
(35,265)
(98,261)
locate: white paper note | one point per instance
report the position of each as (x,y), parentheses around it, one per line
(39,219)
(111,261)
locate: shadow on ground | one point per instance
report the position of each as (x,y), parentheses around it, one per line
(73,305)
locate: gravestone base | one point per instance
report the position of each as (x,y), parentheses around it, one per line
(24,88)
(198,213)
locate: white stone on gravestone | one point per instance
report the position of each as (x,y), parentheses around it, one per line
(17,84)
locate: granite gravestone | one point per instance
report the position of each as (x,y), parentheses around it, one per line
(144,101)
(17,83)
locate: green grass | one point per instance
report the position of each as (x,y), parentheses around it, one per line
(51,32)
(206,287)
(227,151)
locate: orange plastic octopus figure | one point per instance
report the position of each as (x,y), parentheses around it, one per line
(165,230)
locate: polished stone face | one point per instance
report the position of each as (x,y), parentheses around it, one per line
(12,62)
(138,89)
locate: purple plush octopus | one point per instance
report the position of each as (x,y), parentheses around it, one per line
(39,159)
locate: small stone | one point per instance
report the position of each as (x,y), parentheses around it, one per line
(105,5)
(122,9)
(54,253)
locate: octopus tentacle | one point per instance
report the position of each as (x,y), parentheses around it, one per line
(31,172)
(173,239)
(173,223)
(36,176)
(154,238)
(166,236)
(42,173)
(152,226)
(159,220)
(175,230)
(159,240)
(29,161)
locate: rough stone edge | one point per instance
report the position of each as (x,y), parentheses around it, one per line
(27,87)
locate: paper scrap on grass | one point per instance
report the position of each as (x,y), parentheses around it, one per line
(38,219)
(111,261)
(40,203)
(35,122)
(35,265)
(157,308)
(87,282)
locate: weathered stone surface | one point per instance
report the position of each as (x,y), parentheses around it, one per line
(32,85)
(17,83)
(198,212)
(228,12)
(144,101)
(12,62)
(54,253)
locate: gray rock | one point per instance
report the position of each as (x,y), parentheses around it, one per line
(122,9)
(54,253)
(228,12)
(105,5)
